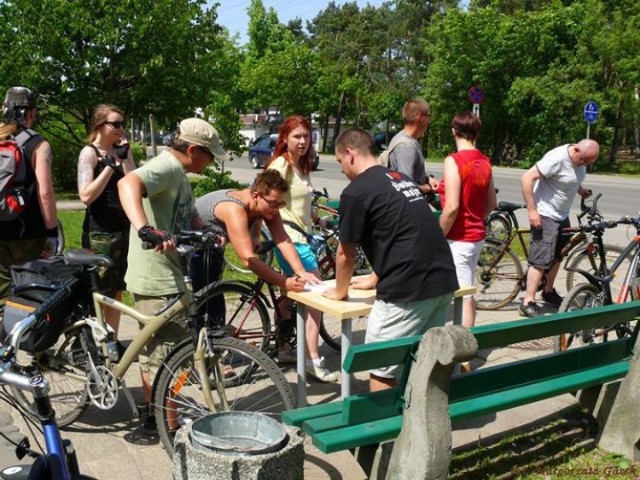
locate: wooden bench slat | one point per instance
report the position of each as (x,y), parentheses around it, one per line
(496,378)
(314,426)
(359,435)
(530,393)
(300,415)
(372,406)
(380,354)
(507,333)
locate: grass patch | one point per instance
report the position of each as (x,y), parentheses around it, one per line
(71,221)
(561,446)
(72,224)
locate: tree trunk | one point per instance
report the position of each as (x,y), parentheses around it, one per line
(615,141)
(325,132)
(336,127)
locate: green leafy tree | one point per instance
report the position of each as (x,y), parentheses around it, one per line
(120,52)
(76,54)
(279,70)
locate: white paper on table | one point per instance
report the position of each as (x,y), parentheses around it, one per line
(315,288)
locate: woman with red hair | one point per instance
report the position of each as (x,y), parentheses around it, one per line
(293,158)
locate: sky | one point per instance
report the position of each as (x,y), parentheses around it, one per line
(232,14)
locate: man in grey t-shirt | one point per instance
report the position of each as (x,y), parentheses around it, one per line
(549,188)
(406,156)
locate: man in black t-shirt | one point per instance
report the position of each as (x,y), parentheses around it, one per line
(385,212)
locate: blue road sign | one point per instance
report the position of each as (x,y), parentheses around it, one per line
(591,112)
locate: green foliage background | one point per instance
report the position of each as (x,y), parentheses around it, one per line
(538,63)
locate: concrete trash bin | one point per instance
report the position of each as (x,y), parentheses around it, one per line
(241,433)
(238,445)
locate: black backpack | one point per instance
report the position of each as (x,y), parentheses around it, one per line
(15,193)
(34,282)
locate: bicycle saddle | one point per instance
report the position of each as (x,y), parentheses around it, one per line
(510,206)
(87,257)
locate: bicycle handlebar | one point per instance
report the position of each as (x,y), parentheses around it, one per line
(592,211)
(204,238)
(602,226)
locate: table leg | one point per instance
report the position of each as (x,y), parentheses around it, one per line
(457,320)
(457,310)
(301,313)
(345,344)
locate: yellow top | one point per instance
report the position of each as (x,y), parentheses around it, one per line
(298,198)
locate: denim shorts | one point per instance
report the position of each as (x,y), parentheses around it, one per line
(307,257)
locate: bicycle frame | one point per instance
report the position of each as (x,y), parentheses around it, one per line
(605,275)
(63,464)
(186,302)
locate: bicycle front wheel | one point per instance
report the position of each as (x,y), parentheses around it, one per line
(252,382)
(245,314)
(498,227)
(580,297)
(498,277)
(589,262)
(64,366)
(232,261)
(331,330)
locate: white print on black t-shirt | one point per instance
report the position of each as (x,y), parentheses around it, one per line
(408,189)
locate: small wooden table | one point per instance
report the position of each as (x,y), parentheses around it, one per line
(359,303)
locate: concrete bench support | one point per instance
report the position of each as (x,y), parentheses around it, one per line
(423,448)
(618,412)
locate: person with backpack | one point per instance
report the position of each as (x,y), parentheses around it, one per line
(404,154)
(28,215)
(106,159)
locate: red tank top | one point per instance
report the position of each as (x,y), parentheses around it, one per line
(475,176)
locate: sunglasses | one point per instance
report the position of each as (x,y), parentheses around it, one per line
(275,204)
(116,125)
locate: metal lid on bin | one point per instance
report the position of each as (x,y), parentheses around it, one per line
(238,433)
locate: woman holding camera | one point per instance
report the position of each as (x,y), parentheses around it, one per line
(105,160)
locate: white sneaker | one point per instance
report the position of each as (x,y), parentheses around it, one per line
(319,372)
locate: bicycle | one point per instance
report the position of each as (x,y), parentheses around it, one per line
(85,367)
(326,250)
(598,290)
(247,307)
(58,460)
(233,262)
(500,275)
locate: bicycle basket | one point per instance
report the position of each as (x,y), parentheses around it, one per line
(34,282)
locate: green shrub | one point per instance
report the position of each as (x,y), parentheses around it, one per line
(139,151)
(64,167)
(212,180)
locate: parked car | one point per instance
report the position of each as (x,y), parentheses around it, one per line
(262,148)
(158,138)
(382,139)
(168,139)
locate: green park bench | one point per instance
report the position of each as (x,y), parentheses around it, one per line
(427,390)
